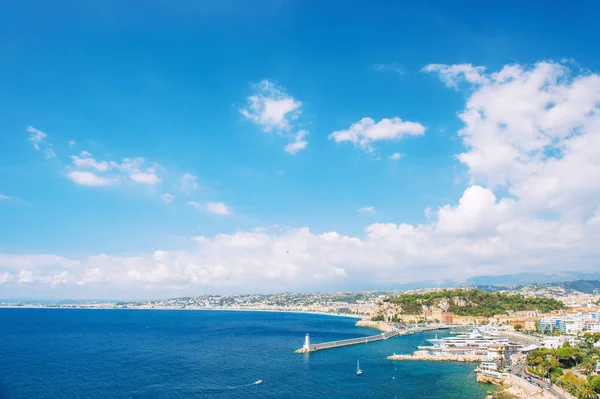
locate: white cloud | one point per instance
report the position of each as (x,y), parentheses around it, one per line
(168,198)
(137,172)
(37,137)
(274,110)
(298,144)
(366,132)
(453,74)
(148,177)
(86,170)
(532,151)
(71,143)
(39,261)
(271,107)
(218,208)
(188,182)
(86,161)
(395,156)
(5,277)
(367,209)
(536,131)
(25,276)
(477,213)
(2,196)
(89,179)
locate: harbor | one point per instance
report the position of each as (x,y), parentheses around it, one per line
(476,346)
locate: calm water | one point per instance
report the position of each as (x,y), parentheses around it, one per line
(100,354)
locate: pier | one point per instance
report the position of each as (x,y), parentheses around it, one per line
(345,342)
(309,347)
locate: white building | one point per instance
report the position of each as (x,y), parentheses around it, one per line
(593,326)
(574,326)
(558,342)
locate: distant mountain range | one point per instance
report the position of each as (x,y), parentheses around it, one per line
(584,286)
(519,279)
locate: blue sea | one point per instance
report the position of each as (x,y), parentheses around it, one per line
(105,354)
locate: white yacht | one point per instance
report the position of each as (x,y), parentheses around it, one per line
(475,341)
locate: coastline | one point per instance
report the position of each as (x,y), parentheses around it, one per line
(352,316)
(515,387)
(379,325)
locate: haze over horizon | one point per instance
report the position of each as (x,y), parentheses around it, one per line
(189,148)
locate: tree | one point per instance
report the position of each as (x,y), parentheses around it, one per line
(518,327)
(595,383)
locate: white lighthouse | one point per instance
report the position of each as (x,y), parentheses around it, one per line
(306,346)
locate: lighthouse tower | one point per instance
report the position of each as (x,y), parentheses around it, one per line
(306,346)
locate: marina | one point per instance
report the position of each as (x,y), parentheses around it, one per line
(487,344)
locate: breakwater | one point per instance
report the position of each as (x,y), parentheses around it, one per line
(388,331)
(345,342)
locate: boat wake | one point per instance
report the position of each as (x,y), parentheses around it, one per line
(230,387)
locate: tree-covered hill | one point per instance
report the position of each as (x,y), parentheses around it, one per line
(471,302)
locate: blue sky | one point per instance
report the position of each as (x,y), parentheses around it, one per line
(145,95)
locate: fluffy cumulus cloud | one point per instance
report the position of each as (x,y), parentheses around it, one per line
(274,110)
(366,132)
(532,151)
(271,107)
(88,171)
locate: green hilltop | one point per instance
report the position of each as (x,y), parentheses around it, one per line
(471,302)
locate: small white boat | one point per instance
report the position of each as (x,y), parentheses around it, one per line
(358,370)
(258,382)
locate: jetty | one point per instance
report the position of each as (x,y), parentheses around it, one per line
(390,333)
(308,347)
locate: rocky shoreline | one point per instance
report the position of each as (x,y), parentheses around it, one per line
(381,326)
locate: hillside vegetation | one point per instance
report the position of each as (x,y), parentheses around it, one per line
(471,302)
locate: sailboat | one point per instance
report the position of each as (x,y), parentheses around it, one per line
(258,382)
(358,370)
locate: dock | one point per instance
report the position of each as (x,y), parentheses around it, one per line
(437,358)
(310,347)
